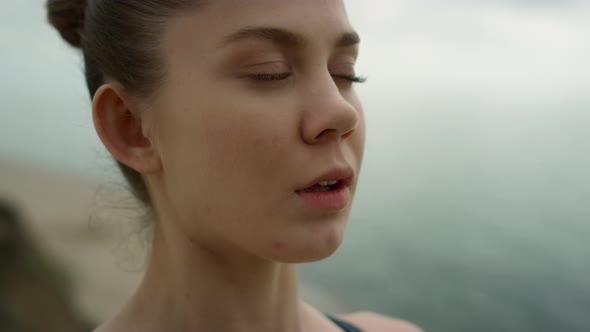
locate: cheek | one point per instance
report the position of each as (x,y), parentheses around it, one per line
(247,144)
(225,157)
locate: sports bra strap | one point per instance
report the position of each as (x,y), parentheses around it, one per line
(346,327)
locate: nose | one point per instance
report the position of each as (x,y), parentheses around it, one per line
(327,114)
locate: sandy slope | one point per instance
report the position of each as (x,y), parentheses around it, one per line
(87,225)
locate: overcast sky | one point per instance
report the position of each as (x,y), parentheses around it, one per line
(523,52)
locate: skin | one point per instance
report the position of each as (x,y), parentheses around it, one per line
(223,152)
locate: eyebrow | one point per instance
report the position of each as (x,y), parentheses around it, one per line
(285,37)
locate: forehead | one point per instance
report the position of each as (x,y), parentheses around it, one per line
(318,21)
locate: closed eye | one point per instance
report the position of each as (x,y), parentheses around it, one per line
(283,76)
(269,77)
(352,78)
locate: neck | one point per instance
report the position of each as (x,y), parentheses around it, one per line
(191,288)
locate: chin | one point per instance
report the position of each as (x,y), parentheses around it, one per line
(310,247)
(303,256)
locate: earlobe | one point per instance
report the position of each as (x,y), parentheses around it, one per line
(118,122)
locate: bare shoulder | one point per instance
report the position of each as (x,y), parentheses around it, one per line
(374,322)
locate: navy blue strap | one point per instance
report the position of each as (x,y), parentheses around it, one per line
(346,327)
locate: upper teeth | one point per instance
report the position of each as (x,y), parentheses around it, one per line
(328,183)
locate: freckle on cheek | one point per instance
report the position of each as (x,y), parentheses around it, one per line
(277,245)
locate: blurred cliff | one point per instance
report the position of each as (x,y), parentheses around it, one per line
(35,293)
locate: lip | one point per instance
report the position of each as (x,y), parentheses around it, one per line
(333,200)
(345,175)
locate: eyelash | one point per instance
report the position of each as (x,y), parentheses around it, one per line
(282,76)
(270,77)
(353,78)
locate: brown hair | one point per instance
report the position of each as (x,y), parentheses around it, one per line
(119,40)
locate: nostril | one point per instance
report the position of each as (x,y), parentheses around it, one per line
(348,134)
(327,133)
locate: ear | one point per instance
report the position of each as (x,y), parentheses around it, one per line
(118,121)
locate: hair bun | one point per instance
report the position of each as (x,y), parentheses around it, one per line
(67,16)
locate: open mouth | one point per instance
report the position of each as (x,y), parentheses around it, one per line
(334,180)
(325,186)
(328,195)
(329,192)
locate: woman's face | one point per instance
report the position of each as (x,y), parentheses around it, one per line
(257,106)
